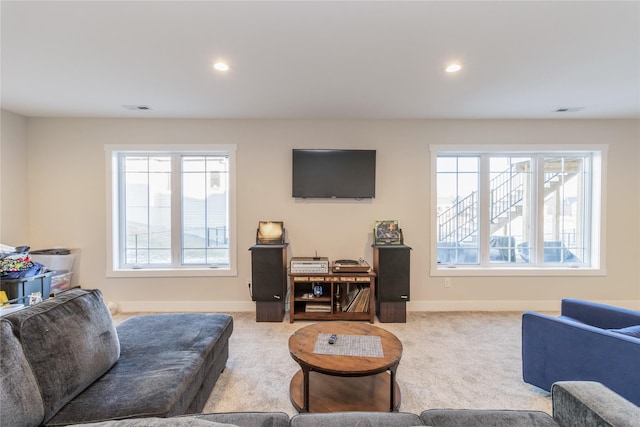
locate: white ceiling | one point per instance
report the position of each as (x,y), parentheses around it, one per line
(321,59)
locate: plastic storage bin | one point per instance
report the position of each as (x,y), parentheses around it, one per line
(58,263)
(60,282)
(20,289)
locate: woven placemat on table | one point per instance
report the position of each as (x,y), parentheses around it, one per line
(350,345)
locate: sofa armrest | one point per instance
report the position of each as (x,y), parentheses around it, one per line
(486,418)
(599,315)
(586,403)
(560,349)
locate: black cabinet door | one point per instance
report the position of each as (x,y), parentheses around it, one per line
(392,265)
(268,273)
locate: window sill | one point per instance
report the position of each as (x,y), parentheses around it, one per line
(173,272)
(471,271)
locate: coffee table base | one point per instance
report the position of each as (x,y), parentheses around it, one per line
(328,393)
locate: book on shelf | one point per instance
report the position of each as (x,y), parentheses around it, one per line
(362,303)
(351,295)
(317,308)
(359,302)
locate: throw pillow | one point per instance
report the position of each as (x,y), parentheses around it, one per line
(632,331)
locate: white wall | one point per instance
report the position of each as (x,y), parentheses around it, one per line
(14,197)
(67,203)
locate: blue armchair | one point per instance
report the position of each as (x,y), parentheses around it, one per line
(588,342)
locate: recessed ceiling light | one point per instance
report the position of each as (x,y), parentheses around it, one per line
(221,66)
(452,68)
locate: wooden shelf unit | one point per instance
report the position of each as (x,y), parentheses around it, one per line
(301,284)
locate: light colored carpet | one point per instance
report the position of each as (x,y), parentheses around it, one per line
(450,360)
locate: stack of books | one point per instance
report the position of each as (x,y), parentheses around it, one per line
(317,308)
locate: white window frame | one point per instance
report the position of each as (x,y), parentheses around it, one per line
(112,221)
(597,266)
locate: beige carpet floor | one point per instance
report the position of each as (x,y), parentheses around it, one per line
(450,360)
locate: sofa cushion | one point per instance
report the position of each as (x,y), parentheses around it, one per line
(20,400)
(164,361)
(248,419)
(486,418)
(69,342)
(360,419)
(632,331)
(226,419)
(157,422)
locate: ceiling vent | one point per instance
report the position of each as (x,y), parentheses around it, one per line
(569,109)
(137,107)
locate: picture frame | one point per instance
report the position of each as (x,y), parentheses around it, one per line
(270,233)
(387,232)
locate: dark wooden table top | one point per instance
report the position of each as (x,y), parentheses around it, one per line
(303,341)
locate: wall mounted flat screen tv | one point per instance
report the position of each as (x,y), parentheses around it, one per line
(334,174)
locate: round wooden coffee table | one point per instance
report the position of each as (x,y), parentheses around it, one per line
(358,377)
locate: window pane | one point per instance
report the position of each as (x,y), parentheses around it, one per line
(218,256)
(160,256)
(147,210)
(510,209)
(172,209)
(537,208)
(457,223)
(564,209)
(447,164)
(136,164)
(195,256)
(193,164)
(468,164)
(205,210)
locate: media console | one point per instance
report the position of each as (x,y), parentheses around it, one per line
(338,296)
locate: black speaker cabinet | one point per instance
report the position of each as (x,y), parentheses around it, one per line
(269,281)
(392,266)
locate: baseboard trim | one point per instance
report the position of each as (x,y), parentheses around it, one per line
(184,306)
(442,305)
(483,305)
(541,305)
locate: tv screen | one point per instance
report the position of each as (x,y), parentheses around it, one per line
(334,174)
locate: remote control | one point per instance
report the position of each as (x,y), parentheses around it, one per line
(332,339)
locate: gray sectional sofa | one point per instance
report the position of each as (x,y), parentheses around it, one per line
(575,404)
(62,362)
